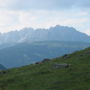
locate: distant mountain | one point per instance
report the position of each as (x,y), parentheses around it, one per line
(2,67)
(57,33)
(26,46)
(28,53)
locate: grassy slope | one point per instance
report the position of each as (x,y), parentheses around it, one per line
(46,77)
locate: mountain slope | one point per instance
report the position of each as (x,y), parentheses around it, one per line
(2,67)
(28,53)
(45,76)
(57,33)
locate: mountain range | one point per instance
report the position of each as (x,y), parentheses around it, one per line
(28,46)
(57,33)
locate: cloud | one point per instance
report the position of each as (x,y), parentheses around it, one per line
(17,14)
(52,4)
(6,3)
(44,4)
(87,31)
(12,20)
(7,18)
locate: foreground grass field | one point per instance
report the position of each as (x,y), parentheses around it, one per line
(45,76)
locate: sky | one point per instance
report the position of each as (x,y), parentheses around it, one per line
(18,14)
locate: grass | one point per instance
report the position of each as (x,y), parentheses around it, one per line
(46,77)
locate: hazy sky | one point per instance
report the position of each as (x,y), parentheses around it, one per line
(17,14)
